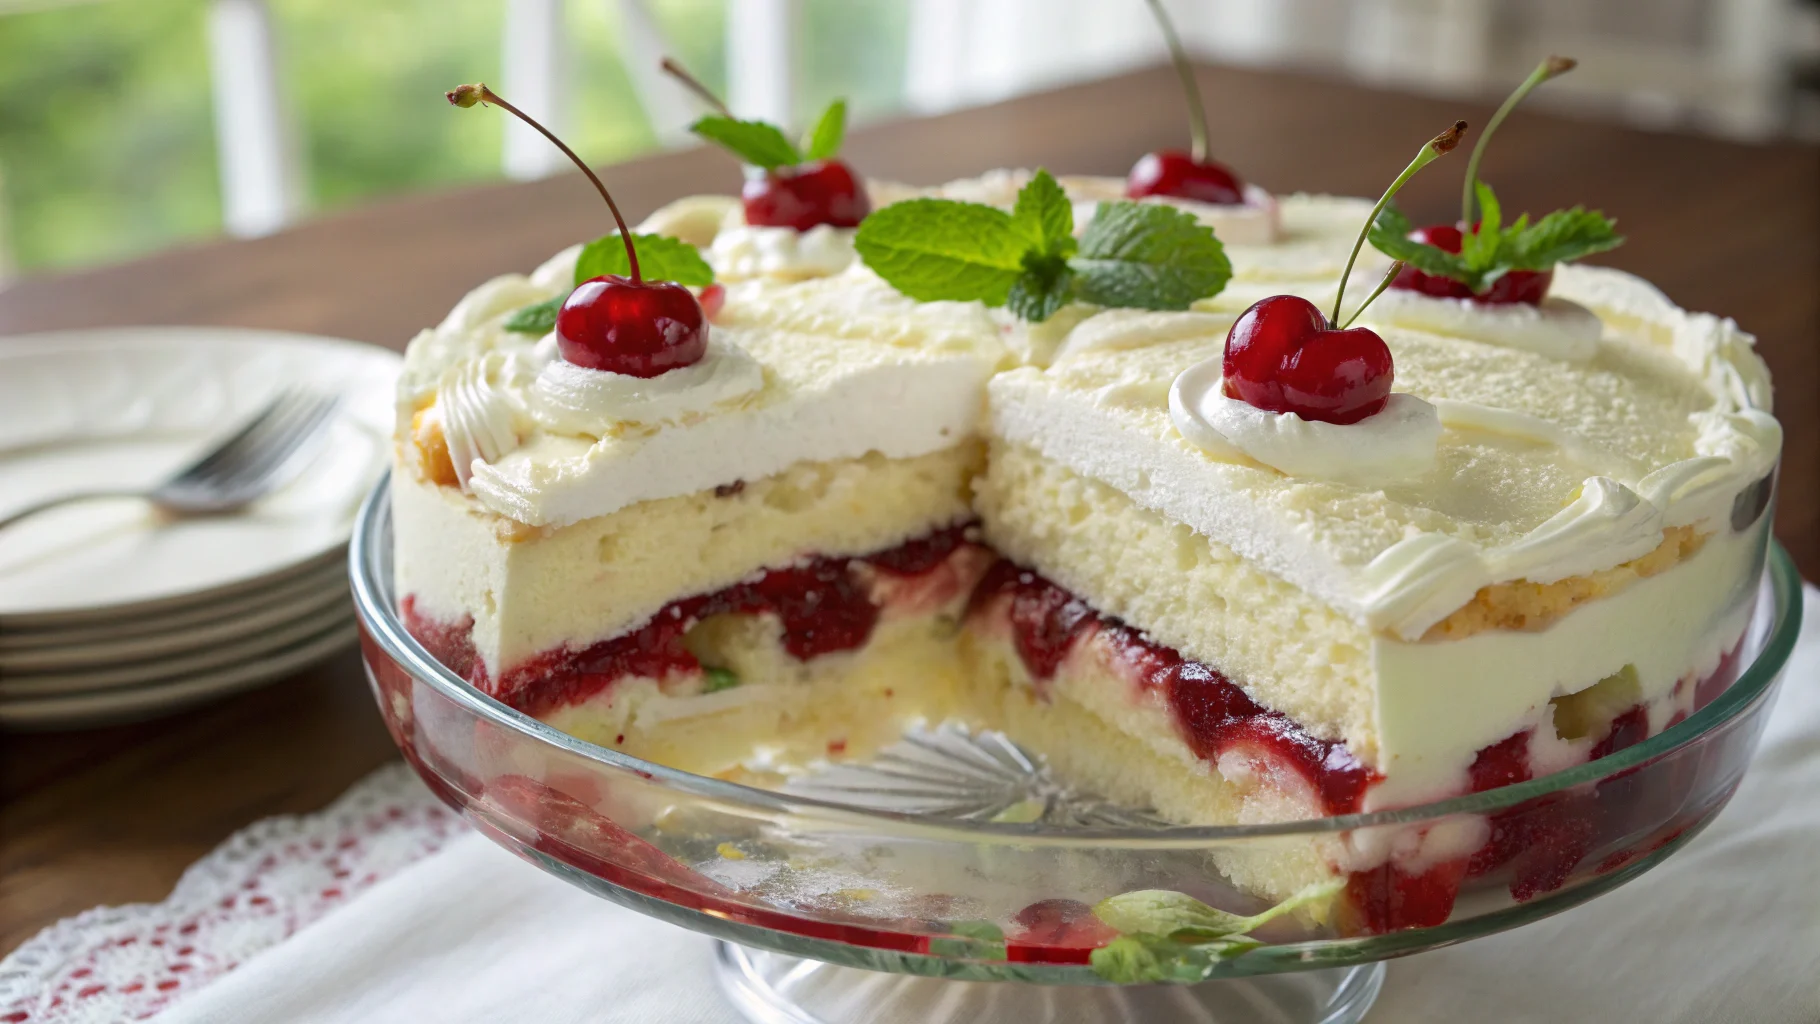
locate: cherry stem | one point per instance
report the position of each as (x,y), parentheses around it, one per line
(702,92)
(1389,276)
(468,95)
(1551,67)
(1197,113)
(1432,150)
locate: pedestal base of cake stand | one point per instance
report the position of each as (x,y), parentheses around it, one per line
(771,988)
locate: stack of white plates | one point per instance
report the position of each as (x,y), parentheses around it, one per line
(111,611)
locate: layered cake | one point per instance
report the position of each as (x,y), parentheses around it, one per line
(1236,566)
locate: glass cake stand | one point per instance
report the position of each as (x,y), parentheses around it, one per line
(952,877)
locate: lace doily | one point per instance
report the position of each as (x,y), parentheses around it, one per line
(267,881)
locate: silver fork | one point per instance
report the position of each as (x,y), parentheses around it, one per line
(259,457)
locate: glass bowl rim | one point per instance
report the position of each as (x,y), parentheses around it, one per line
(381,623)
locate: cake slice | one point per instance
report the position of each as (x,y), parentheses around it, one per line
(1207,634)
(692,574)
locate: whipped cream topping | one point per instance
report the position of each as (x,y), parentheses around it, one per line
(1117,329)
(1558,328)
(480,409)
(576,400)
(1398,442)
(743,251)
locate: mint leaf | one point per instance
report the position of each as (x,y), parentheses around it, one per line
(538,319)
(1148,256)
(1390,236)
(718,679)
(1142,959)
(936,249)
(1177,915)
(1167,913)
(1127,960)
(660,258)
(755,142)
(1042,289)
(1559,237)
(1171,936)
(825,138)
(1044,217)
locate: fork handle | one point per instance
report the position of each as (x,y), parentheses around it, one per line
(65,499)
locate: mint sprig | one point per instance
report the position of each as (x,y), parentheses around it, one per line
(660,258)
(1171,936)
(1140,255)
(764,145)
(1148,256)
(1496,249)
(829,132)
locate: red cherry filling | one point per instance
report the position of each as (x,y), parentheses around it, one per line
(640,329)
(1177,175)
(1282,356)
(801,197)
(1526,286)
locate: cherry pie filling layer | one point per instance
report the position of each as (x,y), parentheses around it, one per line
(824,605)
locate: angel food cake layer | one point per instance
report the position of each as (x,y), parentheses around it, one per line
(862,509)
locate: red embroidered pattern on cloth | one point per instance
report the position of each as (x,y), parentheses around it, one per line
(255,890)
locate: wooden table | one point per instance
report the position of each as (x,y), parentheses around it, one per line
(115,815)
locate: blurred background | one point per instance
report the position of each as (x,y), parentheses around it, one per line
(134,125)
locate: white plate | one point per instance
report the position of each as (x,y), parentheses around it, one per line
(141,702)
(205,616)
(176,667)
(127,650)
(127,407)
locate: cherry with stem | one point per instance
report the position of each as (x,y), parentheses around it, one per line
(1284,355)
(800,197)
(1170,172)
(466,96)
(1191,91)
(611,323)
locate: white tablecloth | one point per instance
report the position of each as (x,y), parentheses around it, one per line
(1728,930)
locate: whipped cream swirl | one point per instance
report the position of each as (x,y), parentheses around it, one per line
(1396,443)
(1557,328)
(481,414)
(571,399)
(745,251)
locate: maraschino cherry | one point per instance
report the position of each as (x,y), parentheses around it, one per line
(1171,173)
(617,324)
(1284,355)
(1515,286)
(802,196)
